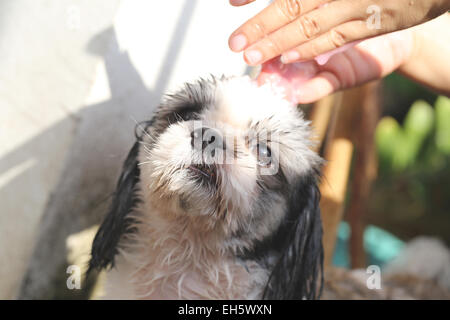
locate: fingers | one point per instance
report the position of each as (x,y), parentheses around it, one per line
(343,70)
(271,18)
(368,60)
(336,38)
(320,86)
(307,27)
(238,3)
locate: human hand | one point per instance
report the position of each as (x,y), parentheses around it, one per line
(300,30)
(305,82)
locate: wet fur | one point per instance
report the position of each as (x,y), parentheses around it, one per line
(241,235)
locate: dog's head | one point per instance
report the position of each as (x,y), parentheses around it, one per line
(236,159)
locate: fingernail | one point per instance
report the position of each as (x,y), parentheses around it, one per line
(253,56)
(238,43)
(238,2)
(290,56)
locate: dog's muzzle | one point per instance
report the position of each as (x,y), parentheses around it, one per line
(207,142)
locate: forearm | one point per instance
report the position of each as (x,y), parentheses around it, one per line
(429,63)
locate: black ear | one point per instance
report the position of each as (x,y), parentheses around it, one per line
(298,273)
(117,221)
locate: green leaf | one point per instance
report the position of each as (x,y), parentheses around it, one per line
(442,137)
(387,134)
(419,120)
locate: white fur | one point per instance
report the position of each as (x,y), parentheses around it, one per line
(189,255)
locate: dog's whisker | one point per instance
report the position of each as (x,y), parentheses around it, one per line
(142,163)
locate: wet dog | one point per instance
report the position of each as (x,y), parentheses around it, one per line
(218,199)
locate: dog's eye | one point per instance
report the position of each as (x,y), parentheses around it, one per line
(186,113)
(185,116)
(264,154)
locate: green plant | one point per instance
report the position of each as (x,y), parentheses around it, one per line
(411,195)
(442,137)
(399,146)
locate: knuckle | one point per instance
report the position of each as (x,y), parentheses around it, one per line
(337,38)
(259,29)
(290,8)
(309,27)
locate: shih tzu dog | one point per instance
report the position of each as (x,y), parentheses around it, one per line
(218,199)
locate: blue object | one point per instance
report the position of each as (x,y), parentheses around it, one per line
(380,246)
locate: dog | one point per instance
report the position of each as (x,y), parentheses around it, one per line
(218,199)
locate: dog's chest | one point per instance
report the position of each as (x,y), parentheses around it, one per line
(166,266)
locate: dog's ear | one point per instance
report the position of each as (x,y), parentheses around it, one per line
(298,273)
(117,221)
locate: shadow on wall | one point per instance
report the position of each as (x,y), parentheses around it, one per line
(104,132)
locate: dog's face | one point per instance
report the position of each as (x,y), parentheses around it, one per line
(232,159)
(227,150)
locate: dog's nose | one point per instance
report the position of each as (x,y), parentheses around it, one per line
(205,137)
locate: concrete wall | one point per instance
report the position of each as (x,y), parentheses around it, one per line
(74,78)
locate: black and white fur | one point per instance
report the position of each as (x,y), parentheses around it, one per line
(180,229)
